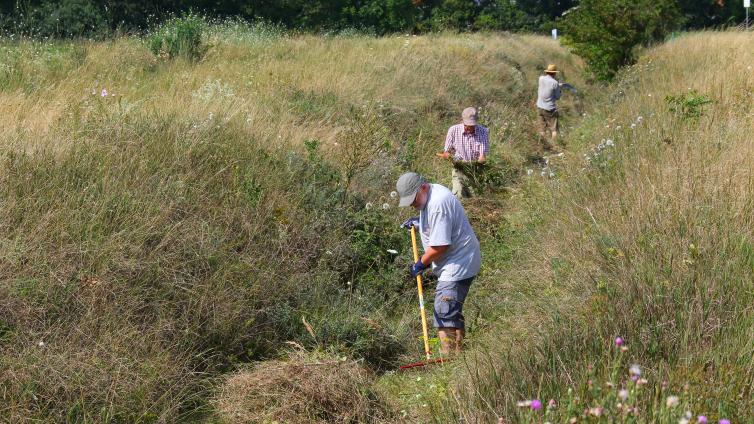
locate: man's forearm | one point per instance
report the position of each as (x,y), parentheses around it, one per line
(433,253)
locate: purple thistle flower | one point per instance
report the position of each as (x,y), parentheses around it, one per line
(536,405)
(701,419)
(618,341)
(724,421)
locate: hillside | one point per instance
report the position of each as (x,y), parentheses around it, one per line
(646,237)
(167,222)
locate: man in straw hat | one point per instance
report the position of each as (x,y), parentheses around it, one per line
(467,144)
(547,111)
(450,247)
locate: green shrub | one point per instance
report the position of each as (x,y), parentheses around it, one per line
(605,32)
(688,105)
(180,37)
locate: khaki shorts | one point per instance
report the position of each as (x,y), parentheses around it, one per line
(547,120)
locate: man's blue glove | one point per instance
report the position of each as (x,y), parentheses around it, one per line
(411,222)
(417,268)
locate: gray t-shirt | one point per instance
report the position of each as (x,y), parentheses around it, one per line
(443,222)
(548,92)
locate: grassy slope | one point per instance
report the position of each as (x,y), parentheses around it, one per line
(156,239)
(650,240)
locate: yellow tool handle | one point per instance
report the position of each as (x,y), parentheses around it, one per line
(421,294)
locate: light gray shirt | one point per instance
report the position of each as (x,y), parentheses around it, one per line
(443,222)
(548,92)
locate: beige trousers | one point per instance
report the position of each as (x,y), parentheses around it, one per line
(460,187)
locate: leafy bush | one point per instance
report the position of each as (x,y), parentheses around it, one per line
(605,32)
(179,37)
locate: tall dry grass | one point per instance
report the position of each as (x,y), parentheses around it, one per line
(648,237)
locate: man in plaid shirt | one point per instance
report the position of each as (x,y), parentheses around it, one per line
(466,144)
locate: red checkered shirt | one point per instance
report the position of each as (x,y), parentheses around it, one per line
(467,146)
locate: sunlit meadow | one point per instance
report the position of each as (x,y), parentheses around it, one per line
(168,222)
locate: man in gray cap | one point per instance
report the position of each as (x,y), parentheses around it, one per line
(467,144)
(450,247)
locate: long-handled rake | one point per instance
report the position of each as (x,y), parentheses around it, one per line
(423,313)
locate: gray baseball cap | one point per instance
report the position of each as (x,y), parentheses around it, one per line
(469,116)
(407,186)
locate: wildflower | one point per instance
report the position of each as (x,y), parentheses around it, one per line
(671,401)
(41,344)
(104,93)
(609,143)
(552,404)
(623,394)
(596,412)
(701,419)
(634,369)
(641,381)
(618,341)
(536,405)
(393,194)
(633,126)
(724,421)
(529,171)
(392,251)
(639,118)
(385,206)
(368,206)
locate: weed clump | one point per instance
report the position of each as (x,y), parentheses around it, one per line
(179,37)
